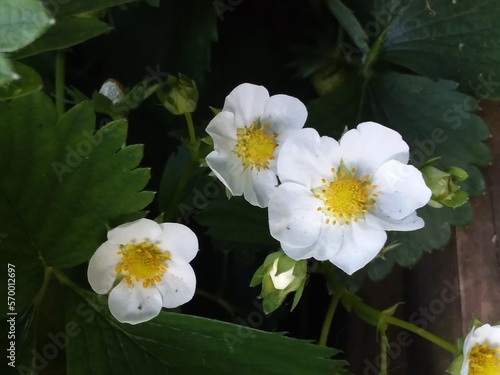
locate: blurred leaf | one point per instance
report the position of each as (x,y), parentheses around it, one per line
(235,220)
(443,39)
(28,82)
(331,113)
(65,184)
(73,7)
(191,27)
(183,344)
(7,72)
(65,33)
(21,22)
(174,169)
(350,24)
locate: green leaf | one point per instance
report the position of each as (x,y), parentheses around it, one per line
(350,24)
(434,119)
(21,22)
(7,72)
(73,7)
(191,27)
(64,185)
(456,366)
(67,32)
(28,82)
(236,220)
(181,344)
(456,40)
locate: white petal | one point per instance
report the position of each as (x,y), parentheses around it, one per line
(137,231)
(101,271)
(134,304)
(177,285)
(329,241)
(228,170)
(282,280)
(223,131)
(285,114)
(379,219)
(297,253)
(465,367)
(306,159)
(361,244)
(262,185)
(401,189)
(370,145)
(478,336)
(247,102)
(179,240)
(294,219)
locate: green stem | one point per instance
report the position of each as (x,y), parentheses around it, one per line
(46,279)
(384,343)
(422,333)
(327,323)
(192,133)
(373,316)
(60,81)
(193,147)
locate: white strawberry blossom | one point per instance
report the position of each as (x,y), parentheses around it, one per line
(144,266)
(338,199)
(247,136)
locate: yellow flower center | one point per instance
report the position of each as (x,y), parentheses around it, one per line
(346,197)
(255,146)
(484,360)
(143,262)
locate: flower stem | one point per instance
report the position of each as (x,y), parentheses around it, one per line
(192,133)
(384,343)
(46,278)
(423,333)
(60,81)
(374,316)
(327,323)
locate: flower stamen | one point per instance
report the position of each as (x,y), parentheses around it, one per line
(346,197)
(143,262)
(484,360)
(255,146)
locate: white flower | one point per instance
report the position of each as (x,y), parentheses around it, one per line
(337,200)
(482,351)
(247,135)
(145,265)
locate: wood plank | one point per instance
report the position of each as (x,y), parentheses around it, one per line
(477,246)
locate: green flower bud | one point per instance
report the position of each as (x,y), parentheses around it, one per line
(443,187)
(279,276)
(179,95)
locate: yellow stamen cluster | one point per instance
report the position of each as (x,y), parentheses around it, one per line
(255,146)
(346,197)
(142,262)
(484,360)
